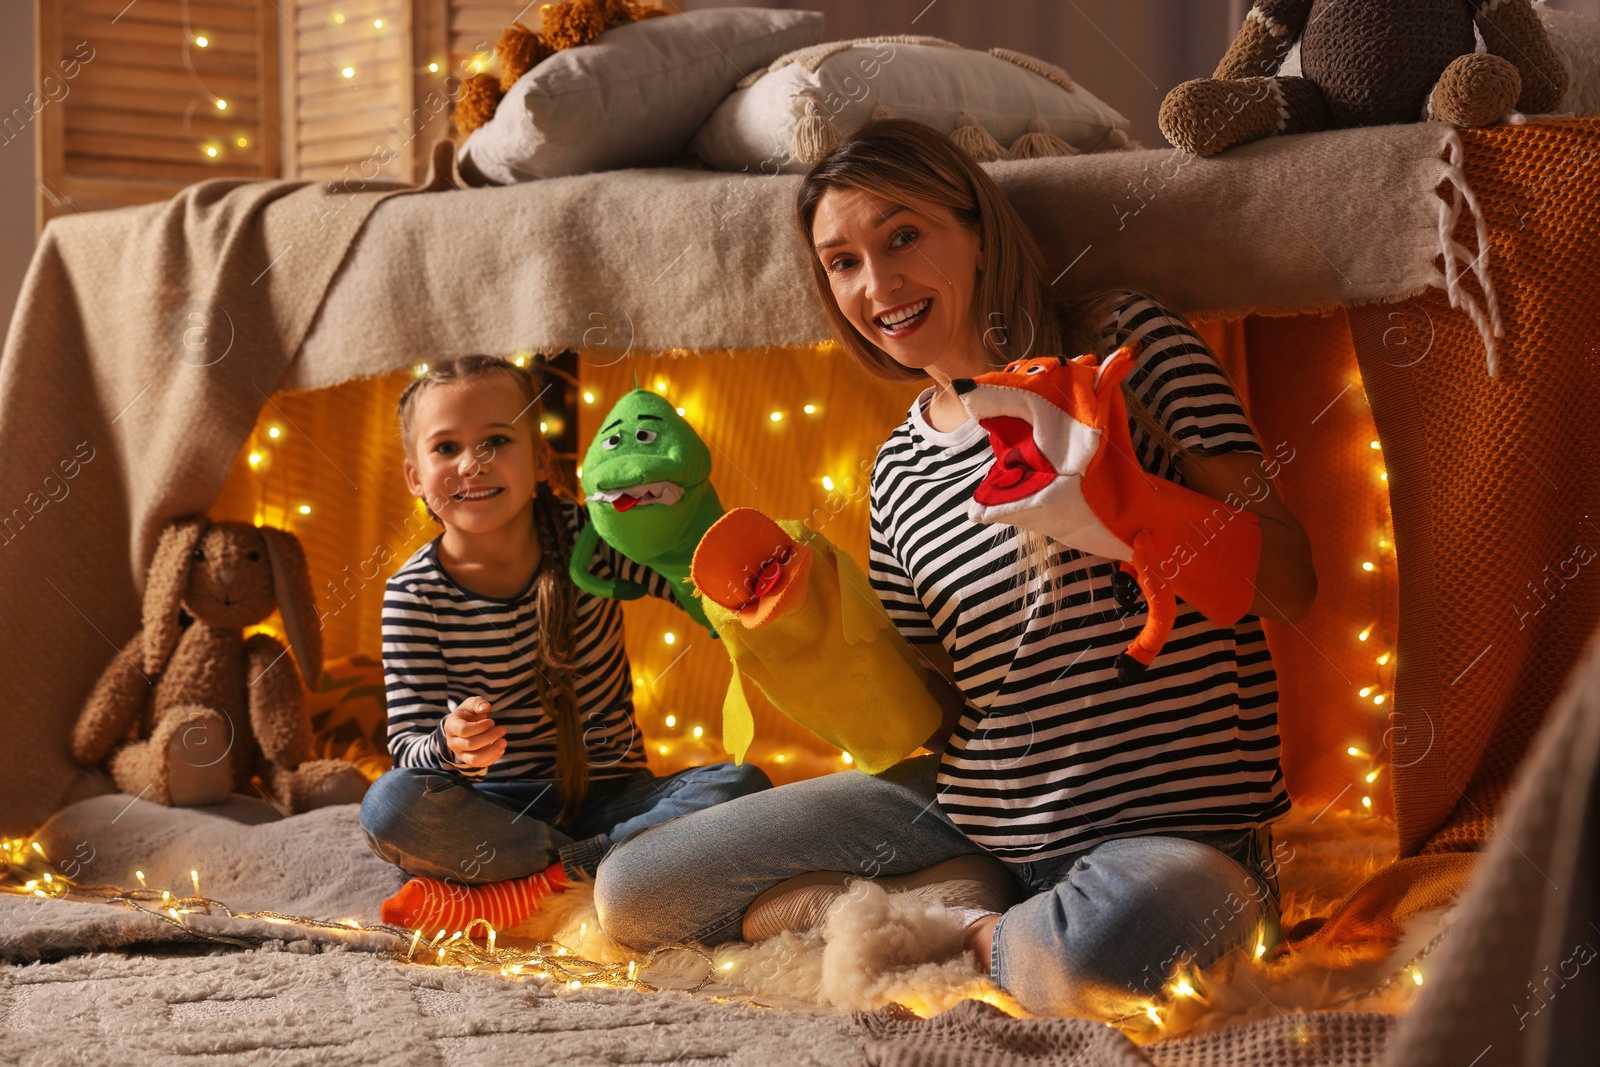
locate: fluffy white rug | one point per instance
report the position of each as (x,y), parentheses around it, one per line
(873,948)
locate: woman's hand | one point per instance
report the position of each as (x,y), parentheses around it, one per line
(1285,580)
(941,684)
(474,738)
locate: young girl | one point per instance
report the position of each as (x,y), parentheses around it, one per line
(510,698)
(1132,817)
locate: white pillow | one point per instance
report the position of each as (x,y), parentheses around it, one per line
(632,98)
(773,122)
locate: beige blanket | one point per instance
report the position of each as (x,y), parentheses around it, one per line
(657,259)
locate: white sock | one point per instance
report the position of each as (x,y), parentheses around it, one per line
(968,916)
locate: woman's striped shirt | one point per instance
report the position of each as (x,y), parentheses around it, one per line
(1053,754)
(443,644)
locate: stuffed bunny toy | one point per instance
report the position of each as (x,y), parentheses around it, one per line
(190,709)
(1368,63)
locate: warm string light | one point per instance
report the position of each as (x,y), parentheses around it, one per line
(1154,1018)
(25,871)
(260,459)
(1374,633)
(214,148)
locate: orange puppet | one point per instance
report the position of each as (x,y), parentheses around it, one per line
(1065,467)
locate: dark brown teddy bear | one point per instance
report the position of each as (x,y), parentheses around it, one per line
(190,708)
(1368,63)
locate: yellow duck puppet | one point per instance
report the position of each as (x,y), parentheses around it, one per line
(796,615)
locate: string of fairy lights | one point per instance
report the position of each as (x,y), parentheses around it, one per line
(1376,640)
(677,740)
(200,40)
(1377,634)
(25,870)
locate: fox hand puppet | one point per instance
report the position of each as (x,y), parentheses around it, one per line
(801,622)
(647,484)
(1064,466)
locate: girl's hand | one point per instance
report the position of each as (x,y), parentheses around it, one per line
(473,737)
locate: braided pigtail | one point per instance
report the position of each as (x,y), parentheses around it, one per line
(557,602)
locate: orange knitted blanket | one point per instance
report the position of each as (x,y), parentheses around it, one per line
(1493,487)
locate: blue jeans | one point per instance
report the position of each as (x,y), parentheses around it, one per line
(442,824)
(1109,921)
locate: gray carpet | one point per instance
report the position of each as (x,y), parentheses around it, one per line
(248,857)
(304,1007)
(131,988)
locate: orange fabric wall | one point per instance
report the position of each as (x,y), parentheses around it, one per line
(1304,390)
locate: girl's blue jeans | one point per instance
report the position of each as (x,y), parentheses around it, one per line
(442,824)
(1096,927)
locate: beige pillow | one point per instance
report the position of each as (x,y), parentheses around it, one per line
(998,104)
(632,98)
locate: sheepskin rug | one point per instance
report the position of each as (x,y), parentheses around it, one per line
(878,948)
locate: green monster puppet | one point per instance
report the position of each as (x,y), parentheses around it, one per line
(647,481)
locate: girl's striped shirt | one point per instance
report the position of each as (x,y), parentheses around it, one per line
(443,644)
(1053,754)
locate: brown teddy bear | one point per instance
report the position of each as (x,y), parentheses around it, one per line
(565,25)
(190,709)
(1367,63)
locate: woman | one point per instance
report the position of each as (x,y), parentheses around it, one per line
(1133,817)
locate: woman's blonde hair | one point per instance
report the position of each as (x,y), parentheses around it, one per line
(556,595)
(1013,310)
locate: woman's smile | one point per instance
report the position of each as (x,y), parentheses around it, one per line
(901,321)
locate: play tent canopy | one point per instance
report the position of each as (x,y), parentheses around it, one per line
(147,340)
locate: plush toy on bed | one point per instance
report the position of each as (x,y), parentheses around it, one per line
(1368,63)
(647,483)
(1065,467)
(190,708)
(566,24)
(801,622)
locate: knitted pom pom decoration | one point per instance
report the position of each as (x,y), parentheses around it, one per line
(430,903)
